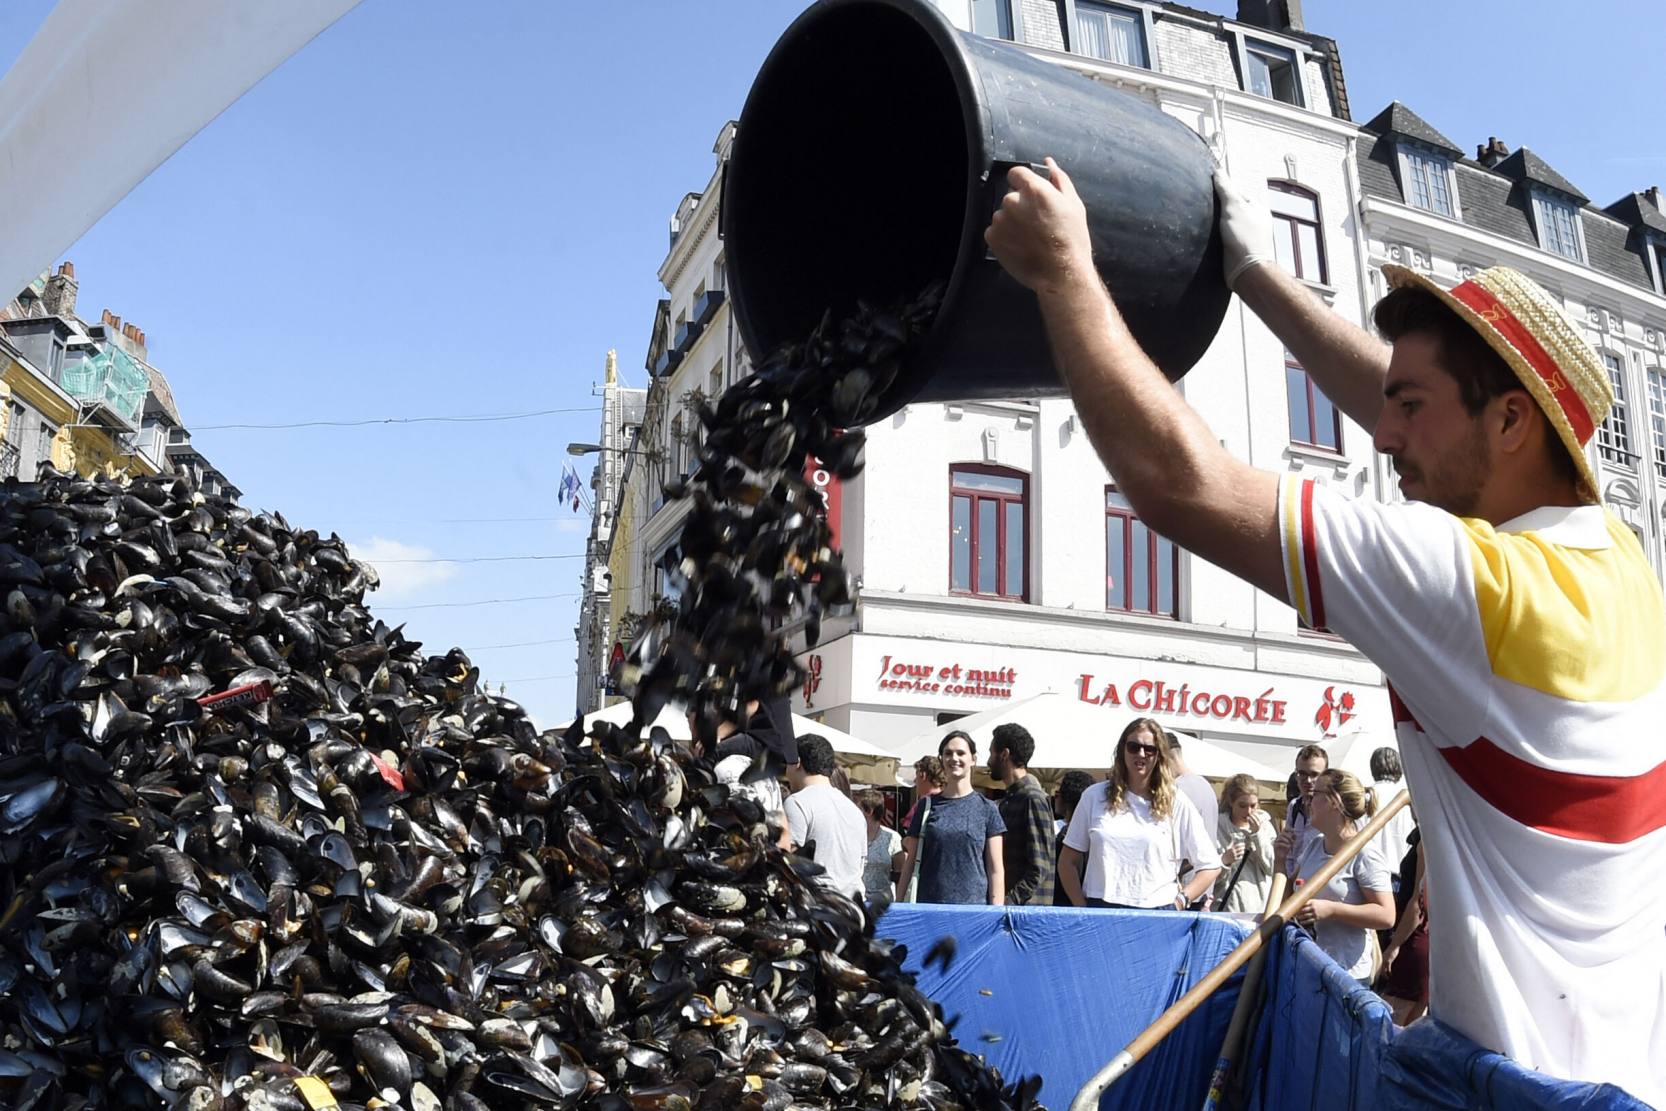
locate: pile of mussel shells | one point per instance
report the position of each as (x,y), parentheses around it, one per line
(380,887)
(755,565)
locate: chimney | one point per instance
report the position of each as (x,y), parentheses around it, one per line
(1275,15)
(114,322)
(59,296)
(1653,194)
(1492,153)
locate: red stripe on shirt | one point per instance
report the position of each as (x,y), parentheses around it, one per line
(1401,714)
(1611,809)
(1310,558)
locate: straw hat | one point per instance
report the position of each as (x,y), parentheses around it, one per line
(1529,330)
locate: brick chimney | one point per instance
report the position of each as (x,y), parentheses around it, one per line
(1275,15)
(59,296)
(1492,152)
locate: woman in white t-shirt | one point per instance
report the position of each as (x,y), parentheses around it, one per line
(1136,830)
(1359,900)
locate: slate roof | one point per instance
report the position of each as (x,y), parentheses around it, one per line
(1498,203)
(1397,119)
(1636,211)
(1524,165)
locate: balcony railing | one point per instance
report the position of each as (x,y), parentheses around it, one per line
(9,458)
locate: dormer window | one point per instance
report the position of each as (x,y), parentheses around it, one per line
(1558,222)
(1272,72)
(1656,251)
(992,18)
(1428,180)
(1111,33)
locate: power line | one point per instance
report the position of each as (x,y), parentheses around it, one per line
(482,602)
(479,418)
(522,644)
(476,559)
(456,520)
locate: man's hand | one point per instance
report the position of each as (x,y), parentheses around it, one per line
(1040,232)
(1246,230)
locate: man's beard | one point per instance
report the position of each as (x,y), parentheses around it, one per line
(1455,479)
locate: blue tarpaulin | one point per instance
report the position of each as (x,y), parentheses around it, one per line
(1057,992)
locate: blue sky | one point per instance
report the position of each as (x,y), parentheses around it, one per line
(423,214)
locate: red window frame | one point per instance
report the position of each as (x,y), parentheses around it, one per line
(1317,224)
(1002,500)
(1312,438)
(1154,547)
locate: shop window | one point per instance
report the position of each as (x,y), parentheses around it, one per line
(1614,434)
(988,532)
(1314,420)
(1272,72)
(1141,568)
(1112,33)
(1298,237)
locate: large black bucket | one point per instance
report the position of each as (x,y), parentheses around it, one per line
(871,153)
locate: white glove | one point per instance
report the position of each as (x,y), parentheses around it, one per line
(1246,229)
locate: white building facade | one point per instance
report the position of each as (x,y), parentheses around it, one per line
(995,558)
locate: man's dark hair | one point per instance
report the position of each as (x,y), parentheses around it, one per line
(1480,372)
(815,754)
(1174,742)
(1072,786)
(1385,764)
(1308,752)
(1017,742)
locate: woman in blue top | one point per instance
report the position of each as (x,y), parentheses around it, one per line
(955,837)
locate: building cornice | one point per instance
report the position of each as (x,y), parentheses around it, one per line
(1458,239)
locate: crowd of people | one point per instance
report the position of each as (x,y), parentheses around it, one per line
(1150,835)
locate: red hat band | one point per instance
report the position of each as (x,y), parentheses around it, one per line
(1494,312)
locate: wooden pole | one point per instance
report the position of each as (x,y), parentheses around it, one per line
(1088,1098)
(1245,1006)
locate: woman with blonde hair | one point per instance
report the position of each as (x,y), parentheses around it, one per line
(1359,900)
(1138,833)
(1244,833)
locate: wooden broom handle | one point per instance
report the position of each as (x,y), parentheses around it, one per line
(1088,1098)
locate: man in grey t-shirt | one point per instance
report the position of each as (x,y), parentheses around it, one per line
(819,814)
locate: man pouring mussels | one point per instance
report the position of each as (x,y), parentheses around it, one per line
(1518,623)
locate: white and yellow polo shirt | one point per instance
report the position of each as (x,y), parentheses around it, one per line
(1527,671)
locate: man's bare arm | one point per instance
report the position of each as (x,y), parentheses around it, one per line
(1348,363)
(1167,462)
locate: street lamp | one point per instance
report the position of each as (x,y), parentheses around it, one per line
(576,449)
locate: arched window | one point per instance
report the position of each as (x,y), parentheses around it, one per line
(1298,236)
(988,531)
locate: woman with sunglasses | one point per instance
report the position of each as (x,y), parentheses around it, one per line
(1359,900)
(1136,831)
(954,838)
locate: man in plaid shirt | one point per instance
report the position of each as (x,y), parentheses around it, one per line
(1027,850)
